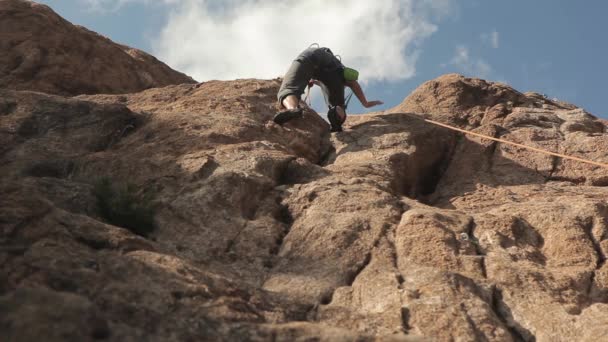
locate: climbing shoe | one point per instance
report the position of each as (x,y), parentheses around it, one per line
(334,120)
(287,115)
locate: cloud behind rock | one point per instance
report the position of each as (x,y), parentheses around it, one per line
(240,39)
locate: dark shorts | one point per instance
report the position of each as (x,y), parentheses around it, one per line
(295,80)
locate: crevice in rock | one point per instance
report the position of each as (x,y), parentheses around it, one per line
(442,168)
(601,256)
(595,295)
(280,173)
(94,244)
(207,169)
(285,217)
(484,268)
(389,235)
(574,181)
(491,152)
(405,319)
(353,276)
(232,242)
(383,234)
(589,291)
(327,298)
(599,182)
(478,251)
(431,180)
(554,164)
(493,147)
(327,156)
(504,314)
(326,150)
(400,280)
(393,250)
(280,213)
(439,169)
(283,213)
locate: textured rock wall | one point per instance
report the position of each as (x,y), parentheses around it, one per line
(41,51)
(393,230)
(537,222)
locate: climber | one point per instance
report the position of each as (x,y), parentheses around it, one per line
(314,65)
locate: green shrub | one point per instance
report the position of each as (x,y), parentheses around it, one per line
(123,206)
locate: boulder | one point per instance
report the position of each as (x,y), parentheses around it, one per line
(43,52)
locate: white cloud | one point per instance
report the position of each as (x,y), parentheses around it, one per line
(465,63)
(259,38)
(491,38)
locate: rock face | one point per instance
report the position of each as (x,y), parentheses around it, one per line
(535,233)
(393,230)
(41,51)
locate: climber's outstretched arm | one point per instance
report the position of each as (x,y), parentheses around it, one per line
(354,85)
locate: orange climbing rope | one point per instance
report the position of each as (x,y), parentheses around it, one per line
(604,165)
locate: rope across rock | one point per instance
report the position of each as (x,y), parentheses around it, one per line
(540,150)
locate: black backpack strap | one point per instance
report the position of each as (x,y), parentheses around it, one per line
(348,100)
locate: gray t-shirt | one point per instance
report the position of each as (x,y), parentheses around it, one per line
(327,69)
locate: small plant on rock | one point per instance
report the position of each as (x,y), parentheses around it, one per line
(125,207)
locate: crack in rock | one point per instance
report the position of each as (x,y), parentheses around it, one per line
(478,251)
(504,314)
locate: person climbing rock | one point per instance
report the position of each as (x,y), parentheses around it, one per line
(319,65)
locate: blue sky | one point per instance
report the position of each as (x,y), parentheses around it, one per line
(553,47)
